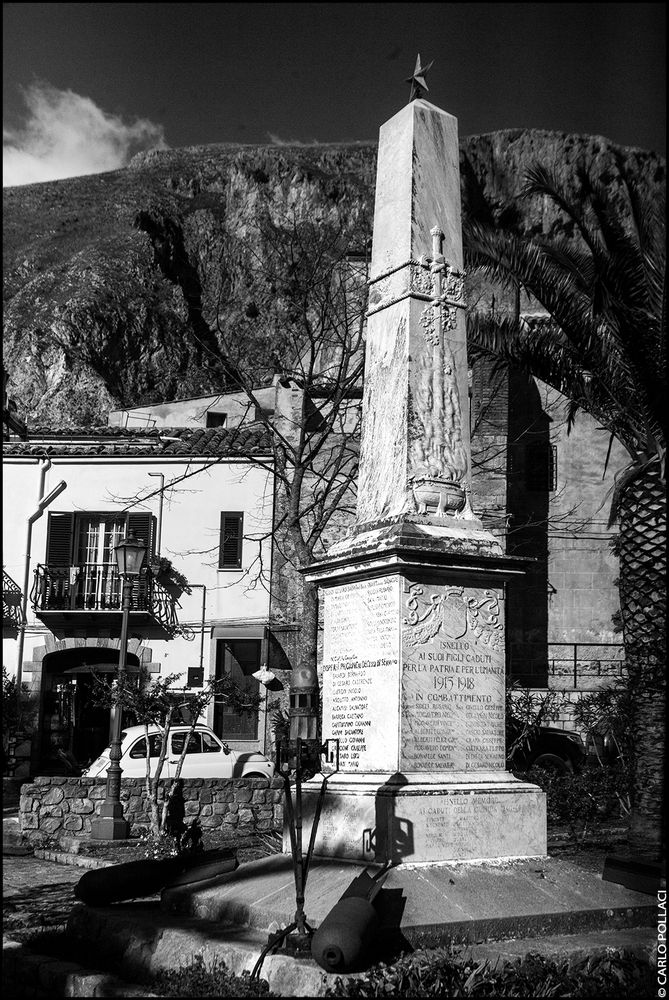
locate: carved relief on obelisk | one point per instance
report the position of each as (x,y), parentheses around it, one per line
(415,453)
(438,460)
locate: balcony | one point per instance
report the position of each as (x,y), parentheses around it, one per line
(12,616)
(87,598)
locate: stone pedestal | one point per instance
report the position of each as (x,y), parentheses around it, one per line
(110,823)
(413,688)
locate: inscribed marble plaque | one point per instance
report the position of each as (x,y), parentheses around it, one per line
(453,678)
(361,673)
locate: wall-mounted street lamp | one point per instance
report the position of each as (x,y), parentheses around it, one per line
(110,823)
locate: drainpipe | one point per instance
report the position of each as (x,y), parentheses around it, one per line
(159,529)
(42,503)
(202,587)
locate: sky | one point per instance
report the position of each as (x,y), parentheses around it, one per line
(87,85)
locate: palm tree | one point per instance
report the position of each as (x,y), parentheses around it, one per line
(602,343)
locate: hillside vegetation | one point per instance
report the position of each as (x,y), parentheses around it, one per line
(115,283)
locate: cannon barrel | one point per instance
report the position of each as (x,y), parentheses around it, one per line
(136,879)
(347,936)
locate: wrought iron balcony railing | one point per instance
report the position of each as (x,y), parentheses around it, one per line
(97,588)
(12,616)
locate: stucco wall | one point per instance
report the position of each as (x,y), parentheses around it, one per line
(582,568)
(54,806)
(190,538)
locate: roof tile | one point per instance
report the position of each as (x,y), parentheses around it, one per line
(118,441)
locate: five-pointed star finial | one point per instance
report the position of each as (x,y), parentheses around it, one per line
(417,81)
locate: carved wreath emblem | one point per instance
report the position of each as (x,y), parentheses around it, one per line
(454,615)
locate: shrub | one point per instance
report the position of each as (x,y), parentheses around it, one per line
(438,973)
(196,980)
(606,717)
(18,714)
(584,801)
(526,712)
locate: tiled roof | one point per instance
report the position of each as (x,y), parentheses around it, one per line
(117,441)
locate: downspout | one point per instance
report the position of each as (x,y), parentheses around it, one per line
(42,503)
(203,588)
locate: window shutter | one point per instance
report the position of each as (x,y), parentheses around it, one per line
(140,523)
(230,548)
(60,534)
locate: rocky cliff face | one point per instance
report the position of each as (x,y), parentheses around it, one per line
(116,283)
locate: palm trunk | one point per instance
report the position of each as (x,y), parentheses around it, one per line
(642,602)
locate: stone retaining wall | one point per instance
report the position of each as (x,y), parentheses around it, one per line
(52,807)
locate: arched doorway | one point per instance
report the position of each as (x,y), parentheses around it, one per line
(74,729)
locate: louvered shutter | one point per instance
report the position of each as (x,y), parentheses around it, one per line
(230,548)
(140,523)
(59,540)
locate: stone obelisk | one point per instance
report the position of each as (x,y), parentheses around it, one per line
(413,671)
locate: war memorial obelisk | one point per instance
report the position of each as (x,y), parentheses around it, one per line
(413,671)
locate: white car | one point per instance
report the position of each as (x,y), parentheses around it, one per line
(207,756)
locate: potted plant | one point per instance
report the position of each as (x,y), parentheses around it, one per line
(165,573)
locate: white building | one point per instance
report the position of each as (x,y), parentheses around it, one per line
(203,498)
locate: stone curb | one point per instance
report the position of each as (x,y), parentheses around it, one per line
(139,944)
(63,858)
(28,974)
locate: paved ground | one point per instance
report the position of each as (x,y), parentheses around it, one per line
(36,893)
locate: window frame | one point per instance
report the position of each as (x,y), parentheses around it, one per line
(224,655)
(229,515)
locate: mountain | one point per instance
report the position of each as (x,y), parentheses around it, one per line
(114,283)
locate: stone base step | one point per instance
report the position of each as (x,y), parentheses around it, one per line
(428,905)
(26,973)
(145,939)
(640,941)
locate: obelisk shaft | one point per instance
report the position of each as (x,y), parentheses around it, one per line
(415,456)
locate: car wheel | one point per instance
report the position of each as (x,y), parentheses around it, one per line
(551,762)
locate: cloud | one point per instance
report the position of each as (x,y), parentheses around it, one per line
(276,140)
(67,135)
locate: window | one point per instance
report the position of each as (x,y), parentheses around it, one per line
(230,547)
(209,744)
(138,749)
(194,743)
(238,659)
(216,419)
(90,537)
(99,580)
(81,571)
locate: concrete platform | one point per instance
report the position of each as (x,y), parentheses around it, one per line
(425,906)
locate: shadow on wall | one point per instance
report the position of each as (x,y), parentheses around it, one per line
(530,478)
(392,841)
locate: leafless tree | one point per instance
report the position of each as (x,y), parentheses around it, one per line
(292,316)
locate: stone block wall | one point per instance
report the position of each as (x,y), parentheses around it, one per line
(53,807)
